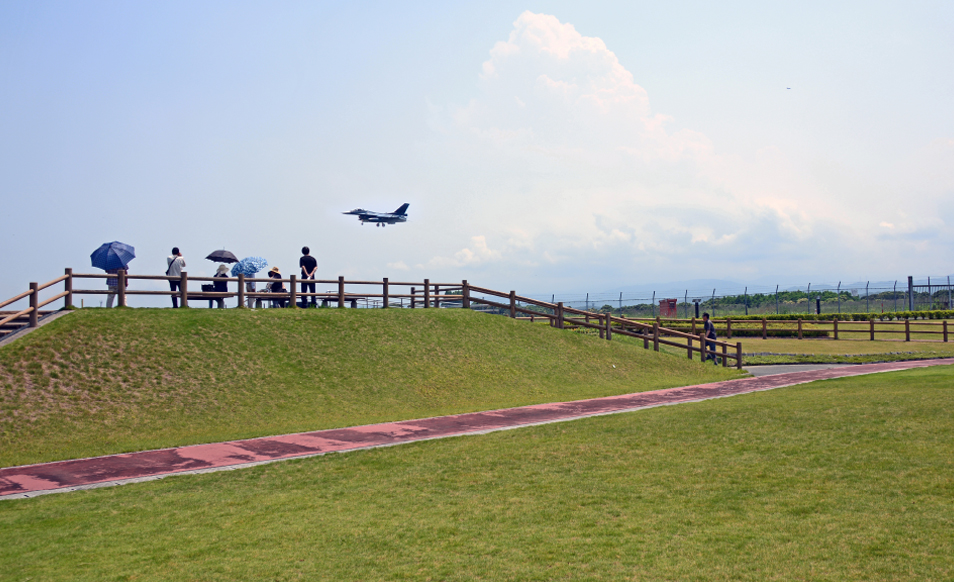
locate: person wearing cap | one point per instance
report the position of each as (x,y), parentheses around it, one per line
(276,287)
(221,286)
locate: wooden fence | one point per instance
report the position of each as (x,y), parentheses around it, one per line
(606,324)
(872,330)
(424,294)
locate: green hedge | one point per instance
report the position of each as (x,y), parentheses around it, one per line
(750,332)
(937,314)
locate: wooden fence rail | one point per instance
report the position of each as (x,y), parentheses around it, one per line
(871,330)
(559,316)
(424,294)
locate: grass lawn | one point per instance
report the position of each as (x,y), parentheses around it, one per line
(849,479)
(842,351)
(106,381)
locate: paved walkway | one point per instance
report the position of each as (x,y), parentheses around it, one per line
(772,369)
(61,476)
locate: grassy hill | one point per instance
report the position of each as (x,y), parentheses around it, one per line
(846,479)
(107,381)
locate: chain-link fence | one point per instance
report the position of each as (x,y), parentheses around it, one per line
(908,294)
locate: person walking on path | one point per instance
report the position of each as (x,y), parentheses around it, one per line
(309,265)
(710,332)
(176,264)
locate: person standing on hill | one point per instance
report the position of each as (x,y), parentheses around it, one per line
(220,286)
(176,264)
(308,266)
(112,285)
(709,329)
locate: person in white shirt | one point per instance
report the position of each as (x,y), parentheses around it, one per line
(176,263)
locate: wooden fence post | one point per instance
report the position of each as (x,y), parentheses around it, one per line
(871,328)
(601,327)
(184,289)
(293,291)
(656,337)
(738,355)
(799,328)
(384,292)
(513,304)
(609,327)
(427,293)
(341,293)
(241,290)
(437,296)
(705,348)
(764,328)
(121,290)
(693,325)
(645,340)
(465,293)
(689,347)
(725,360)
(34,302)
(413,298)
(907,329)
(560,315)
(68,287)
(728,328)
(835,323)
(945,330)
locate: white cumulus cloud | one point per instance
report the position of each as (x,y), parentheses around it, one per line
(565,164)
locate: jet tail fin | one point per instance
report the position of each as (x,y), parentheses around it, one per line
(402,211)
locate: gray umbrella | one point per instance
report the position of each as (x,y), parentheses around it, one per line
(222,256)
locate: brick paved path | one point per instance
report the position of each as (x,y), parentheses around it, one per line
(31,480)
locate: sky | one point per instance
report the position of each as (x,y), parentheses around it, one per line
(547,147)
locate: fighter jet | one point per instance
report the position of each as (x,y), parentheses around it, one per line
(381,218)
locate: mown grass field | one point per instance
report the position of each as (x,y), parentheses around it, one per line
(850,348)
(106,381)
(850,351)
(849,479)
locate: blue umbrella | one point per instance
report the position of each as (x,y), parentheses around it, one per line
(114,255)
(249,266)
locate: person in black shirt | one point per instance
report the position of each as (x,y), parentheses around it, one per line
(277,287)
(220,286)
(308,266)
